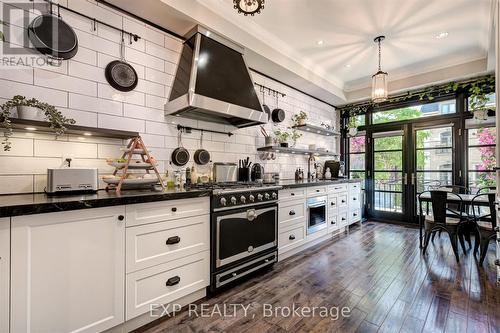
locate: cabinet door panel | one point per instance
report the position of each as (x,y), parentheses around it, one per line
(4,273)
(68,271)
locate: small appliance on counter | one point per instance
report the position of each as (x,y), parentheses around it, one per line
(225,172)
(334,167)
(73,180)
(257,173)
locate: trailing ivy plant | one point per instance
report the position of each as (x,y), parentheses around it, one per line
(2,36)
(477,89)
(57,120)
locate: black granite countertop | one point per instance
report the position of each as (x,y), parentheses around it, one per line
(28,204)
(310,183)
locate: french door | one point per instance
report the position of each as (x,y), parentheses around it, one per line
(405,160)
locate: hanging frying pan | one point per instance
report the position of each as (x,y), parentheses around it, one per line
(201,156)
(121,75)
(278,115)
(53,37)
(180,155)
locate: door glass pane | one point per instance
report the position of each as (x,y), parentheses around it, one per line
(357,161)
(479,180)
(357,144)
(482,136)
(432,180)
(481,158)
(388,143)
(388,173)
(435,159)
(434,138)
(413,112)
(389,160)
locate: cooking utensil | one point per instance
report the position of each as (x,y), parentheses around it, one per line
(264,132)
(278,115)
(257,172)
(201,156)
(180,155)
(266,108)
(53,37)
(120,74)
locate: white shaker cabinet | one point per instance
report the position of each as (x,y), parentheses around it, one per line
(4,273)
(68,271)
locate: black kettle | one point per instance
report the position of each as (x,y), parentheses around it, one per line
(257,172)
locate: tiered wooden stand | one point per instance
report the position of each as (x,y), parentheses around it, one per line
(135,147)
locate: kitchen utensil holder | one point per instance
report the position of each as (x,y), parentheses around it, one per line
(244,174)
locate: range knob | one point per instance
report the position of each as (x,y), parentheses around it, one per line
(267,196)
(243,199)
(251,198)
(274,195)
(223,201)
(259,197)
(233,200)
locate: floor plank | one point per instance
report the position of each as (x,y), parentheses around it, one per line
(378,272)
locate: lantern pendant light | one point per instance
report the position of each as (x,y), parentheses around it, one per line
(379,79)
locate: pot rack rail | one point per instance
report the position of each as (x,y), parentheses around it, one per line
(188,129)
(269,91)
(94,21)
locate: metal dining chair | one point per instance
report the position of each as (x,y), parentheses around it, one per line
(486,189)
(442,219)
(485,219)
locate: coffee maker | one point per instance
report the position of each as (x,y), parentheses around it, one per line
(257,173)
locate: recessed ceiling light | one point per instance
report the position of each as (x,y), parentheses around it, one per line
(347,65)
(441,35)
(30,128)
(320,42)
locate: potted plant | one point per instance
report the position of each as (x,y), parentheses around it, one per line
(282,137)
(477,103)
(295,136)
(42,111)
(299,118)
(352,126)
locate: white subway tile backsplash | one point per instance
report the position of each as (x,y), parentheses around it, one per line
(121,123)
(79,90)
(94,104)
(44,148)
(16,184)
(63,82)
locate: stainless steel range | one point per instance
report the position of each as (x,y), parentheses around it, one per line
(244,231)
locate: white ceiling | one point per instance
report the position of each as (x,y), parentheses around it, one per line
(347,29)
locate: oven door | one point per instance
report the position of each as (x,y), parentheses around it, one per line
(317,214)
(241,233)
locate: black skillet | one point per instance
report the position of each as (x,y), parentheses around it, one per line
(53,37)
(180,155)
(120,74)
(201,156)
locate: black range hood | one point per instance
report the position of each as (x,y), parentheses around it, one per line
(212,83)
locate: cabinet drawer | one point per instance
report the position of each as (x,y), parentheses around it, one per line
(342,201)
(337,188)
(354,199)
(355,187)
(291,212)
(292,237)
(166,283)
(333,223)
(354,215)
(292,194)
(342,219)
(318,190)
(157,243)
(166,210)
(332,202)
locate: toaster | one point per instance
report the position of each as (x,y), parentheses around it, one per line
(71,180)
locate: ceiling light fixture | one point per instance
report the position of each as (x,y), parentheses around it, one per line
(251,7)
(379,79)
(441,35)
(320,42)
(347,65)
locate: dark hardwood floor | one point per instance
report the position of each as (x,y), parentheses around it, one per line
(378,272)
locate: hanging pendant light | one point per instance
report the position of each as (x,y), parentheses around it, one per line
(247,7)
(379,79)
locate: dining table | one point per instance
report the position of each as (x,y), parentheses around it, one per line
(453,198)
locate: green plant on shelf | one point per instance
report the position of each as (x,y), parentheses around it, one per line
(282,136)
(57,120)
(299,118)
